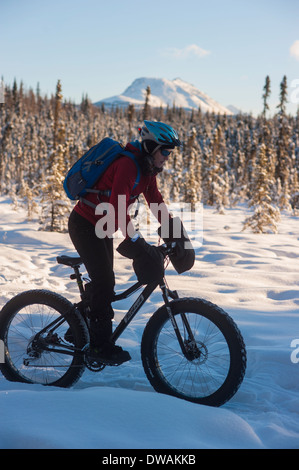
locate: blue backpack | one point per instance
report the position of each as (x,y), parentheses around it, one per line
(84,174)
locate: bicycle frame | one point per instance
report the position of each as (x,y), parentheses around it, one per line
(141,299)
(134,309)
(208,366)
(139,302)
(131,313)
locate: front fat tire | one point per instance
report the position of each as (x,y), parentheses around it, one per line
(216,375)
(21,318)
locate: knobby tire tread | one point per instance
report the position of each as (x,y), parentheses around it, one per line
(227,327)
(62,306)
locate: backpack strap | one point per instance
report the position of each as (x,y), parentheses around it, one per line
(129,154)
(107,192)
(87,202)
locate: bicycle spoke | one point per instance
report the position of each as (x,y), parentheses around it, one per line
(47,366)
(202,375)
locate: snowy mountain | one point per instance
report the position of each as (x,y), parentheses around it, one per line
(234,109)
(165,93)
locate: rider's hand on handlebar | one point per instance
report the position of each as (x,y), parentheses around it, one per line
(183,256)
(148,261)
(171,230)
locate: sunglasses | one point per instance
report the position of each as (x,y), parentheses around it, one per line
(165,152)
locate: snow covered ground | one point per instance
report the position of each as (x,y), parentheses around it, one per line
(253,277)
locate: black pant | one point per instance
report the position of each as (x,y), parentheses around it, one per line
(97,256)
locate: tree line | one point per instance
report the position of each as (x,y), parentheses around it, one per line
(224,160)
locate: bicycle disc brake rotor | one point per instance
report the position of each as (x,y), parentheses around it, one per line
(197,351)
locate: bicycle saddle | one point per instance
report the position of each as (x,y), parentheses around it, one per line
(72,261)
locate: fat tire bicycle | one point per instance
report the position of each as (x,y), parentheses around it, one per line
(190,347)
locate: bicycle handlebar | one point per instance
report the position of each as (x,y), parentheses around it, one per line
(167,248)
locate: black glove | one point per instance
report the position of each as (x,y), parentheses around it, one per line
(148,261)
(184,255)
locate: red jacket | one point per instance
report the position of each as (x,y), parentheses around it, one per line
(120,178)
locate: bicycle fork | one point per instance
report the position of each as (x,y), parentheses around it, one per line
(188,347)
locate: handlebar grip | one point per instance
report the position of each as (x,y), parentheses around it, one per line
(167,248)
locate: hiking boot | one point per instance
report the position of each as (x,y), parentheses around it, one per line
(100,331)
(109,354)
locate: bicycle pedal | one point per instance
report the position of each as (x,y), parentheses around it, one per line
(93,365)
(111,362)
(105,361)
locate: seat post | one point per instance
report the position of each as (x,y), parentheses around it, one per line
(78,277)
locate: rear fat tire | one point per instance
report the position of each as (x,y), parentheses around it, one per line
(158,358)
(36,305)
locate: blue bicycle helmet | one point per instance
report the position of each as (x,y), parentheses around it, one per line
(160,133)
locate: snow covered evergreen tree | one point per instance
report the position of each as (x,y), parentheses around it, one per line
(192,181)
(266,215)
(214,172)
(55,204)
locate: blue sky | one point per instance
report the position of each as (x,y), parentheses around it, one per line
(224,48)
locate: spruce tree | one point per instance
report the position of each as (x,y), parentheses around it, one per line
(283,96)
(146,109)
(283,161)
(266,95)
(192,181)
(55,204)
(266,215)
(131,115)
(214,172)
(57,108)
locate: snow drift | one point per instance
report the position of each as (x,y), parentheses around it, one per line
(253,277)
